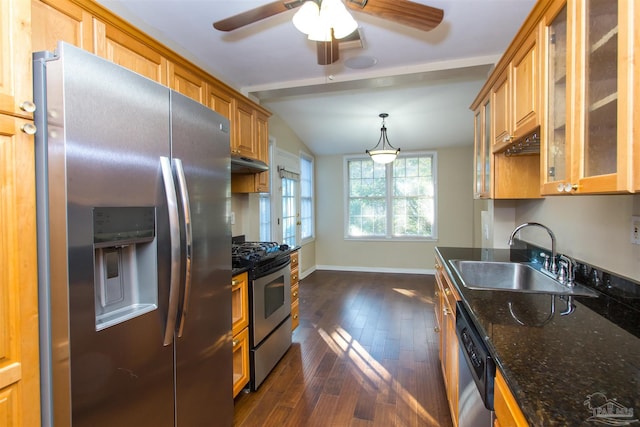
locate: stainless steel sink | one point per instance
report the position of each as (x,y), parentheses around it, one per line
(512,276)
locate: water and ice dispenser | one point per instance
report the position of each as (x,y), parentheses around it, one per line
(125,263)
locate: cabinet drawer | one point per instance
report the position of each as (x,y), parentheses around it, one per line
(240,361)
(295,315)
(239,302)
(294,293)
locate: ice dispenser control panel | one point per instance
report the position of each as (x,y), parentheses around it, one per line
(125,263)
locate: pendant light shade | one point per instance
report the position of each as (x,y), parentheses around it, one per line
(383,152)
(318,21)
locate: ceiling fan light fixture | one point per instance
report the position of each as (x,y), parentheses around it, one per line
(305,19)
(338,18)
(386,153)
(317,22)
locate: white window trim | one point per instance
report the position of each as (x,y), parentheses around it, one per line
(345,192)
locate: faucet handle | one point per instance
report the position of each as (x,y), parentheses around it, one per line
(546,263)
(563,271)
(566,271)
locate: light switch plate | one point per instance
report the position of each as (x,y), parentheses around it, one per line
(635,230)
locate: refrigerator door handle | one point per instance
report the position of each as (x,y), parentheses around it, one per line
(186,209)
(174,237)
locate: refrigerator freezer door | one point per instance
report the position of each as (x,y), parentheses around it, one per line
(107,129)
(204,363)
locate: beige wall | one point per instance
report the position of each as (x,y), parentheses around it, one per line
(455,219)
(592,229)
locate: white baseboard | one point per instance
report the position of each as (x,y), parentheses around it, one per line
(371,269)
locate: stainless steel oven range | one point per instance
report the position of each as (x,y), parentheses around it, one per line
(269,303)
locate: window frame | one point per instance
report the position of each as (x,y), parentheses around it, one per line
(389,199)
(306,157)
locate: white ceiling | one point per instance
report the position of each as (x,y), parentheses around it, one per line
(425,81)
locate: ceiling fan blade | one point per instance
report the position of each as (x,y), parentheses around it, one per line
(256,14)
(404,12)
(328,52)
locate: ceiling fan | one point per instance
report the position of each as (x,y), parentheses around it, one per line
(403,12)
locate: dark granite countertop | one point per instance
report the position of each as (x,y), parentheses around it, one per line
(552,362)
(239,270)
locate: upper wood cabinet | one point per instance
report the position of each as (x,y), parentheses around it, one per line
(525,87)
(501,112)
(569,72)
(15,57)
(187,82)
(483,158)
(60,20)
(555,158)
(591,150)
(501,175)
(116,46)
(244,141)
(250,138)
(515,95)
(220,101)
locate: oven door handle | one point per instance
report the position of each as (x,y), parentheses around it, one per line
(174,241)
(186,217)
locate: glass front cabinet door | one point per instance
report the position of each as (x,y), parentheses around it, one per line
(482,151)
(588,126)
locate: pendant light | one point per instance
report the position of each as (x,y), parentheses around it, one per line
(387,153)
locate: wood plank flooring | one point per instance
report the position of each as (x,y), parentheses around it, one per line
(365,354)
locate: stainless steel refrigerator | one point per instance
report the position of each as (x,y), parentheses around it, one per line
(133,198)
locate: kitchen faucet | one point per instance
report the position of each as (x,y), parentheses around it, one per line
(553,269)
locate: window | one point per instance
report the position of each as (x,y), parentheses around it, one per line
(306,198)
(265,217)
(289,187)
(265,203)
(392,201)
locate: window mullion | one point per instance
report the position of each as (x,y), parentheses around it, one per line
(389,195)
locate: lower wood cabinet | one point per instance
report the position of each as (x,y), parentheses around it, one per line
(295,286)
(508,413)
(240,361)
(240,331)
(446,323)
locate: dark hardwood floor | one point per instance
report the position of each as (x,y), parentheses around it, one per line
(365,354)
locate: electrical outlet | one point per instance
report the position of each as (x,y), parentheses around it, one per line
(635,230)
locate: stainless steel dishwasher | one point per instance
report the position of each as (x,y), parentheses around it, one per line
(476,374)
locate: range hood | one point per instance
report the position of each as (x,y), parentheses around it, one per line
(245,165)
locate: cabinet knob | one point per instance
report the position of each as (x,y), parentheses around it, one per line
(507,138)
(447,291)
(436,329)
(446,311)
(28,106)
(437,293)
(295,316)
(235,282)
(294,277)
(295,294)
(235,342)
(567,187)
(28,128)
